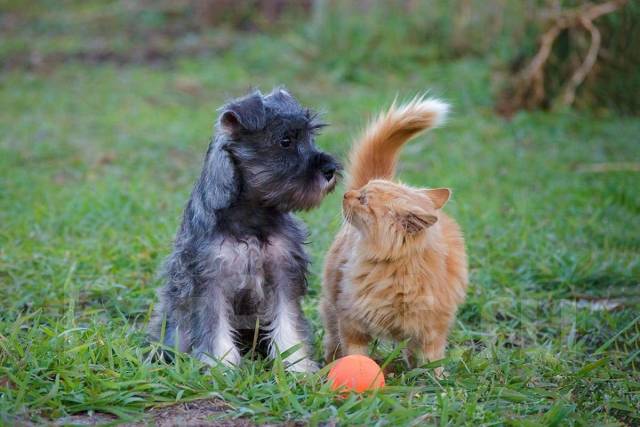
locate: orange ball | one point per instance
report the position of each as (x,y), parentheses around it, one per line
(355,373)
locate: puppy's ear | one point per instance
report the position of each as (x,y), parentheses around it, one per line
(439,196)
(244,114)
(218,184)
(412,222)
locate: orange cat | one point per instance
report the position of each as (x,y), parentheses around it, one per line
(398,267)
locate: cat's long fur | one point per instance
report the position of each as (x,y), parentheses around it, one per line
(398,267)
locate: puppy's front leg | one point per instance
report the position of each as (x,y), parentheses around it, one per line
(288,328)
(214,331)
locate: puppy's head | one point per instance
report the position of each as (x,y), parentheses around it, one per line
(271,140)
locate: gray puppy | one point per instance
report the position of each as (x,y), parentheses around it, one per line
(238,263)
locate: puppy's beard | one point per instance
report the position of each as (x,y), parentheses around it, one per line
(318,192)
(329,186)
(299,197)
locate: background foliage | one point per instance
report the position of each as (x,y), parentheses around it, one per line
(107,108)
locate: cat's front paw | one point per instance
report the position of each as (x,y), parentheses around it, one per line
(440,373)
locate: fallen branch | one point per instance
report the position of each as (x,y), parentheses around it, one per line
(569,93)
(528,87)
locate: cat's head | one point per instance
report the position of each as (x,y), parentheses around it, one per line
(392,216)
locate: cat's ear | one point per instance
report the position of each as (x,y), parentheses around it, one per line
(246,114)
(439,196)
(414,222)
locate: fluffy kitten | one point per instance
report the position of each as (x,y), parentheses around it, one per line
(397,268)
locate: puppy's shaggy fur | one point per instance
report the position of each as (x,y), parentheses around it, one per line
(398,267)
(238,263)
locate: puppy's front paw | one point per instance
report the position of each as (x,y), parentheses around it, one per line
(305,365)
(230,359)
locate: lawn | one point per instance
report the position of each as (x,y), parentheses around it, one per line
(97,159)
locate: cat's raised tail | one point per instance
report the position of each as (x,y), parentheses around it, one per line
(374,155)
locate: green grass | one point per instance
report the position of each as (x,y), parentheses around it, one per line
(97,161)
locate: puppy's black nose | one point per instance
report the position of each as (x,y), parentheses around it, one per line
(328,171)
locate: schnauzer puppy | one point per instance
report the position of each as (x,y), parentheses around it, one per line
(238,267)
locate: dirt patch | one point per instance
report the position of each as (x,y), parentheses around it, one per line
(96,419)
(205,412)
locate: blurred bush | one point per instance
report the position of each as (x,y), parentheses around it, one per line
(348,36)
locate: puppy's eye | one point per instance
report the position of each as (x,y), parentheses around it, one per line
(285,142)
